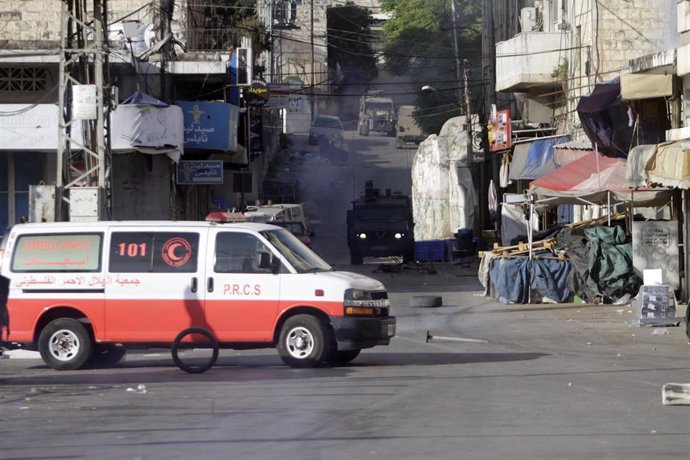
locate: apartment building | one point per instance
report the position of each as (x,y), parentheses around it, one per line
(176,51)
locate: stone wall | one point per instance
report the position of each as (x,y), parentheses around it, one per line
(36,24)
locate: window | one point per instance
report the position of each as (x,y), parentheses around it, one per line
(238,253)
(154,252)
(68,252)
(31,79)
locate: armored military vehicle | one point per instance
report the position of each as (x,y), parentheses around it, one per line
(407,129)
(376,113)
(380,225)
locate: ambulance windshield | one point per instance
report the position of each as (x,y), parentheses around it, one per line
(297,253)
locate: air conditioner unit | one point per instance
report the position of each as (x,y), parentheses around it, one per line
(528,19)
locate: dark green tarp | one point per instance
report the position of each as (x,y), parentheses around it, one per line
(611,271)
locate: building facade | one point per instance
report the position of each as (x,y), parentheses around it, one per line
(167,49)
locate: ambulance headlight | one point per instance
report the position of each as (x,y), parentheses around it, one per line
(359,302)
(362,236)
(398,236)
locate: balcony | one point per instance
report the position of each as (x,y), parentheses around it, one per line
(528,60)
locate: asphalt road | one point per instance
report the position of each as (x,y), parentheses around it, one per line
(553,382)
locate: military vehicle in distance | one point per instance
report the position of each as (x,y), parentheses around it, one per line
(407,130)
(380,225)
(376,113)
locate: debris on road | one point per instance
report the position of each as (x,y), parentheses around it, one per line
(676,394)
(440,338)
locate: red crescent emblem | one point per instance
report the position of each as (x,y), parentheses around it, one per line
(176,252)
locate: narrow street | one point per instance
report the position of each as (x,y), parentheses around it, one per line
(549,382)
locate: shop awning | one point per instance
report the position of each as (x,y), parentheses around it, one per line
(594,179)
(570,151)
(636,170)
(669,165)
(605,119)
(535,158)
(646,85)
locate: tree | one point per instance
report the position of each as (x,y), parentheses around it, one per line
(351,57)
(350,53)
(419,44)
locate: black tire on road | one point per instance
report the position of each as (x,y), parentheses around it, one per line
(342,356)
(304,341)
(189,368)
(426,301)
(108,354)
(65,344)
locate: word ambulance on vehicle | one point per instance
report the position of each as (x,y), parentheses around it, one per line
(90,290)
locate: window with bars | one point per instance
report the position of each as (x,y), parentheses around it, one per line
(26,79)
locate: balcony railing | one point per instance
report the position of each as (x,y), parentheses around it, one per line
(529,60)
(211,39)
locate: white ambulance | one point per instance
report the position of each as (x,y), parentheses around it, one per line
(87,291)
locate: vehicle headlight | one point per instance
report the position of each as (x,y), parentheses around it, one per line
(362,236)
(398,236)
(359,302)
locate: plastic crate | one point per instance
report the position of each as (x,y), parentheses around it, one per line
(431,251)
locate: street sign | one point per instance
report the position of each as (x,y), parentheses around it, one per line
(199,172)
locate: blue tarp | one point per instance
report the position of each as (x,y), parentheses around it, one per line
(531,160)
(512,279)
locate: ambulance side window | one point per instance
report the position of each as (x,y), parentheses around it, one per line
(238,253)
(64,252)
(153,252)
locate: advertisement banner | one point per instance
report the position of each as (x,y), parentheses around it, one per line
(499,130)
(209,125)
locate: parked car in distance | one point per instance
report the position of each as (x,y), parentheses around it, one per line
(328,128)
(298,229)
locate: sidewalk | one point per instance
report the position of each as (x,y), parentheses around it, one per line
(457,283)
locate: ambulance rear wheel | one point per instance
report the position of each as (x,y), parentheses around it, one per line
(304,341)
(65,344)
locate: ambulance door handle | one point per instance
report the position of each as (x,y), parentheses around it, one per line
(209,284)
(194,283)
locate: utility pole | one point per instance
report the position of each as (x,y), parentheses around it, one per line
(468,114)
(456,48)
(82,42)
(313,85)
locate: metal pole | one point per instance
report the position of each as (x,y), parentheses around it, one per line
(468,115)
(686,245)
(456,49)
(313,85)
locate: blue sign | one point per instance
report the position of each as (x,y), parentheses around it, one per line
(209,125)
(200,172)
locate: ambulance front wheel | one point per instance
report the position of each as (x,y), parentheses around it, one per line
(65,344)
(304,341)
